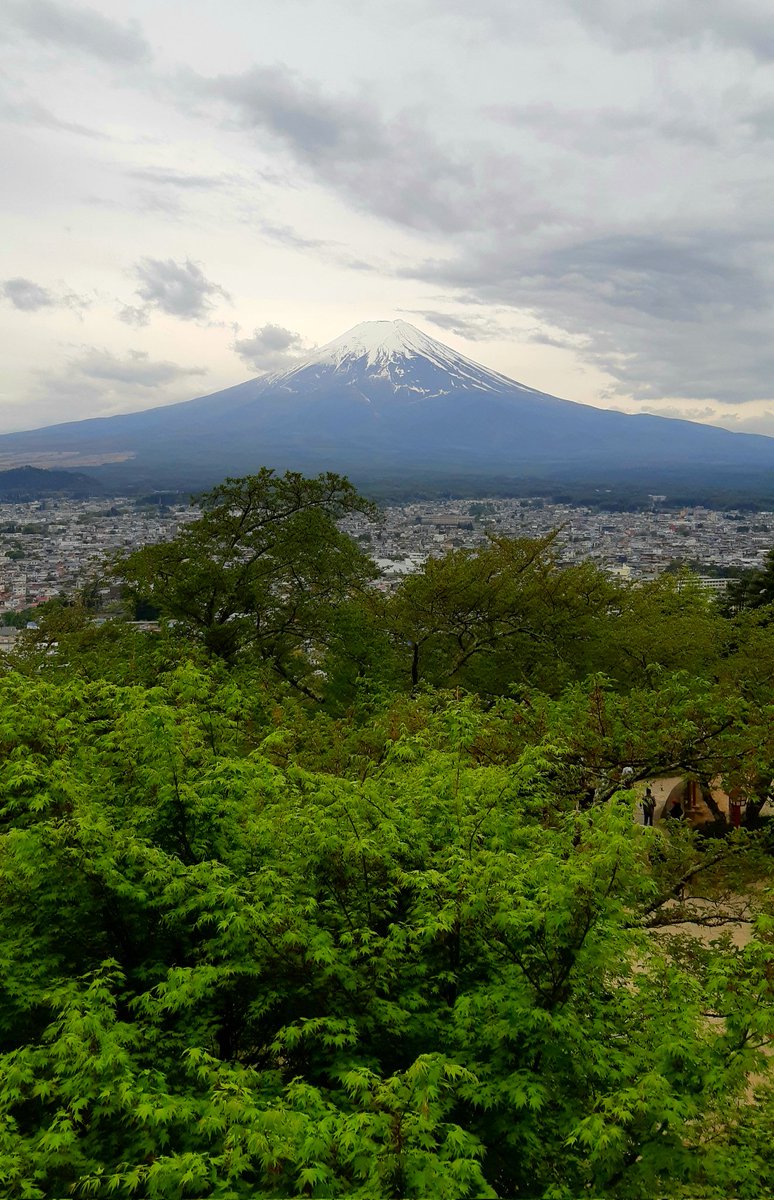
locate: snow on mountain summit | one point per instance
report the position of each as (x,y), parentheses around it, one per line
(400,355)
(379,340)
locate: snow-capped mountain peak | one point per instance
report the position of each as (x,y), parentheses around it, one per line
(376,341)
(388,403)
(400,355)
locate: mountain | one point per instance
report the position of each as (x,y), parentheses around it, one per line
(385,400)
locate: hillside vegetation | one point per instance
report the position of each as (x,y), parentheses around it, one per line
(323,892)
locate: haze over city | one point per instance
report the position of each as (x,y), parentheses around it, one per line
(576,196)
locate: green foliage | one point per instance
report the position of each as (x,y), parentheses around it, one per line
(505,614)
(226,977)
(319,892)
(669,624)
(264,570)
(753,589)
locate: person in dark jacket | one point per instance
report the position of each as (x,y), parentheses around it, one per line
(648,807)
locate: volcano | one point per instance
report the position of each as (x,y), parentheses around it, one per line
(383,400)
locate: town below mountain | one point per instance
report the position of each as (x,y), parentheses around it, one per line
(58,545)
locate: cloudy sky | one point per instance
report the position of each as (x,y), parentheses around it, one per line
(577,193)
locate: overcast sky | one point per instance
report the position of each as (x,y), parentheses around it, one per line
(577,193)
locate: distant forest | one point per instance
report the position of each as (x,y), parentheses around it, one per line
(315,890)
(22,484)
(622,489)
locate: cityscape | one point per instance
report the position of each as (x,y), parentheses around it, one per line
(50,548)
(633,545)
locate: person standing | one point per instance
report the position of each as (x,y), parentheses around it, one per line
(648,807)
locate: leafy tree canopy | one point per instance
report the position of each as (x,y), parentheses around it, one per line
(263,570)
(314,891)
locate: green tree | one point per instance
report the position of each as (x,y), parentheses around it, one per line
(502,615)
(665,624)
(264,570)
(753,589)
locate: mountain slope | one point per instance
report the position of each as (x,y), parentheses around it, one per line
(382,398)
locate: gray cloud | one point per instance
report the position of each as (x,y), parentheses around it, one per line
(158,202)
(98,382)
(28,296)
(472,328)
(164,203)
(675,278)
(760,120)
(136,368)
(598,234)
(708,413)
(289,236)
(650,24)
(271,348)
(136,315)
(178,289)
(562,341)
(163,177)
(740,24)
(392,167)
(73,28)
(30,112)
(608,131)
(665,314)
